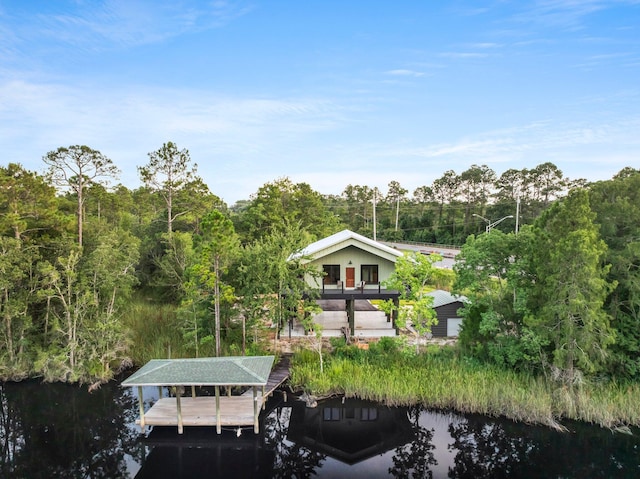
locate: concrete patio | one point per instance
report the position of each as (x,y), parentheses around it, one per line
(370,322)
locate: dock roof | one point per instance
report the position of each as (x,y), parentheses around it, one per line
(223,371)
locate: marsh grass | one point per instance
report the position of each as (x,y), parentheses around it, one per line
(439,378)
(153,332)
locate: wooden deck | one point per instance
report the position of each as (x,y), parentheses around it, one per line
(218,410)
(279,375)
(201,411)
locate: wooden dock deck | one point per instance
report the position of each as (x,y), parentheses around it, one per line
(279,374)
(218,410)
(201,411)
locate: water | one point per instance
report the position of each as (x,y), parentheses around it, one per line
(62,431)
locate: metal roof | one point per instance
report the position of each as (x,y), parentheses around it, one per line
(224,371)
(440,298)
(350,238)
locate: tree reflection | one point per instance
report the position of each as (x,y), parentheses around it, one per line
(415,458)
(57,430)
(485,450)
(291,459)
(501,449)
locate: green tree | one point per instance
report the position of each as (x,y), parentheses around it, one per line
(84,294)
(476,184)
(547,182)
(76,168)
(284,202)
(19,283)
(216,248)
(169,170)
(445,190)
(493,271)
(27,202)
(412,275)
(569,288)
(276,269)
(617,206)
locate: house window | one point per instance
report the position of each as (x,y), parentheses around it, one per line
(369,414)
(331,414)
(369,273)
(331,273)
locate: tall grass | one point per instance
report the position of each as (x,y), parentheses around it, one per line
(153,332)
(440,379)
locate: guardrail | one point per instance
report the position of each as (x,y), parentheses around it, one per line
(426,245)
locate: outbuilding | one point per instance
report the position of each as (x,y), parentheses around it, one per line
(447,306)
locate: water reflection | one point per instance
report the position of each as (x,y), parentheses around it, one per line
(496,449)
(62,431)
(54,430)
(200,452)
(350,431)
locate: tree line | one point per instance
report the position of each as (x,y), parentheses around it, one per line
(454,205)
(562,296)
(76,249)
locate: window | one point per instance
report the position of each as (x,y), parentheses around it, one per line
(331,414)
(369,273)
(368,414)
(331,273)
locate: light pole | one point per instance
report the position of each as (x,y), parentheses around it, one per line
(489,223)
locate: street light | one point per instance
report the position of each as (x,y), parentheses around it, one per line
(489,223)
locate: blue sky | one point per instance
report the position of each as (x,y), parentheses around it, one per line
(326,92)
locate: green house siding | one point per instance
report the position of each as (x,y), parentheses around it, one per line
(351,257)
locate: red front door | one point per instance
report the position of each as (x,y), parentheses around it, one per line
(351,277)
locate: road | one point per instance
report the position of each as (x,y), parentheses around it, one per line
(448,253)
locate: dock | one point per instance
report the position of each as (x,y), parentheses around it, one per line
(201,411)
(219,410)
(279,374)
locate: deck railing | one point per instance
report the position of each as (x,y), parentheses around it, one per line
(339,286)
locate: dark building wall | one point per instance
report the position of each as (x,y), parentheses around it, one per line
(443,312)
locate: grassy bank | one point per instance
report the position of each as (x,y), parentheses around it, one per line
(439,379)
(153,332)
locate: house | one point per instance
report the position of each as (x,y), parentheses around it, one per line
(349,261)
(354,268)
(446,306)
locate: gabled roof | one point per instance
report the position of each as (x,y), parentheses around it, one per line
(441,298)
(223,371)
(344,239)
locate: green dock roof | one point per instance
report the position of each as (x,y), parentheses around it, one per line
(224,371)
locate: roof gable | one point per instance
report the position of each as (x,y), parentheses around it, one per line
(344,239)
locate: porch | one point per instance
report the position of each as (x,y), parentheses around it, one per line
(368,320)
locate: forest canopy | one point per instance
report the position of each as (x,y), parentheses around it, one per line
(77,251)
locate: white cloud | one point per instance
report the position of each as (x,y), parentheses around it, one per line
(121,23)
(402,72)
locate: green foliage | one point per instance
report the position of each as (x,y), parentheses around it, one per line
(153,331)
(84,295)
(168,172)
(282,202)
(76,168)
(413,272)
(570,287)
(617,207)
(206,290)
(27,204)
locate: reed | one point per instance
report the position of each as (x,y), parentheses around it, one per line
(440,379)
(153,332)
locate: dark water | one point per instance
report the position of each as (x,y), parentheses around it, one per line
(61,431)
